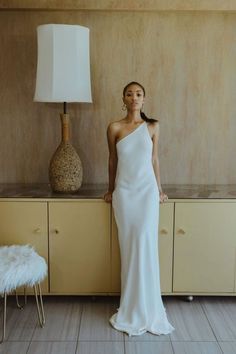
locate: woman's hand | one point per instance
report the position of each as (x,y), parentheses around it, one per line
(108,197)
(163,197)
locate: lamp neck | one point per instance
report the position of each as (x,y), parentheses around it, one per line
(64,107)
(65,127)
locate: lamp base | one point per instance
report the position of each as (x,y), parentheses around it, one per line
(65,170)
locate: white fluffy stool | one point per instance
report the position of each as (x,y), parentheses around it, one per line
(21,266)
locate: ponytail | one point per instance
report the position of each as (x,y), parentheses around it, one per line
(149,120)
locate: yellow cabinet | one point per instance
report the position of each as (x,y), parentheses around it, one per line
(204,247)
(25,223)
(79,243)
(84,255)
(165,250)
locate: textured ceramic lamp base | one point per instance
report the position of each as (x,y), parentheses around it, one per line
(65,171)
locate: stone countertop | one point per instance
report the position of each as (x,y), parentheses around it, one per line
(43,190)
(96,191)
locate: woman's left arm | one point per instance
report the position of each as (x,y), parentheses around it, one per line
(155,160)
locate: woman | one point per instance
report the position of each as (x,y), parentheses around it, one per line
(135,192)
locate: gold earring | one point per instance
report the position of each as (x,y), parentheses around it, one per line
(123,107)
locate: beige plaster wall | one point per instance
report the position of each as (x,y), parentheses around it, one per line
(186,61)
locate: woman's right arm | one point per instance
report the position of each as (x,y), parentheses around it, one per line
(112,161)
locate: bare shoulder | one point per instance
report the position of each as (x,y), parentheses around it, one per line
(115,126)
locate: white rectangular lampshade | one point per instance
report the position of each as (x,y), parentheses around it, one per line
(63,68)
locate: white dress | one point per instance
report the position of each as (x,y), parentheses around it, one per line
(135,201)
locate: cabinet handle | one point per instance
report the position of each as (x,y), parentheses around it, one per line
(180,232)
(37,231)
(56,231)
(164,232)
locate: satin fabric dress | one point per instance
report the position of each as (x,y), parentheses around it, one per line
(135,201)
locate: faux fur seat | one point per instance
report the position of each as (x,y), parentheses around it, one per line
(21,266)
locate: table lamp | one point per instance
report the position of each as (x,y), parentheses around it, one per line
(63,75)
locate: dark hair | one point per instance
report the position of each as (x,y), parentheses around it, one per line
(143,115)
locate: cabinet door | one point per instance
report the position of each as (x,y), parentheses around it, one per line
(25,223)
(165,250)
(79,243)
(204,247)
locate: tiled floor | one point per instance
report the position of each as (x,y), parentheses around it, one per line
(80,325)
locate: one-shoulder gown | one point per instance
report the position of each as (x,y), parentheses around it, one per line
(135,201)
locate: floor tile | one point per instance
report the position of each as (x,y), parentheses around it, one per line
(14,348)
(189,320)
(228,347)
(52,348)
(148,348)
(196,348)
(21,323)
(63,315)
(97,347)
(221,313)
(95,324)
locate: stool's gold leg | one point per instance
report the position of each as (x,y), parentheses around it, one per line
(25,295)
(40,308)
(41,304)
(17,301)
(4,317)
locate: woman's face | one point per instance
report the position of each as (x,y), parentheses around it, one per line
(134,98)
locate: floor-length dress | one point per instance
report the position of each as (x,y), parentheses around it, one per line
(135,201)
